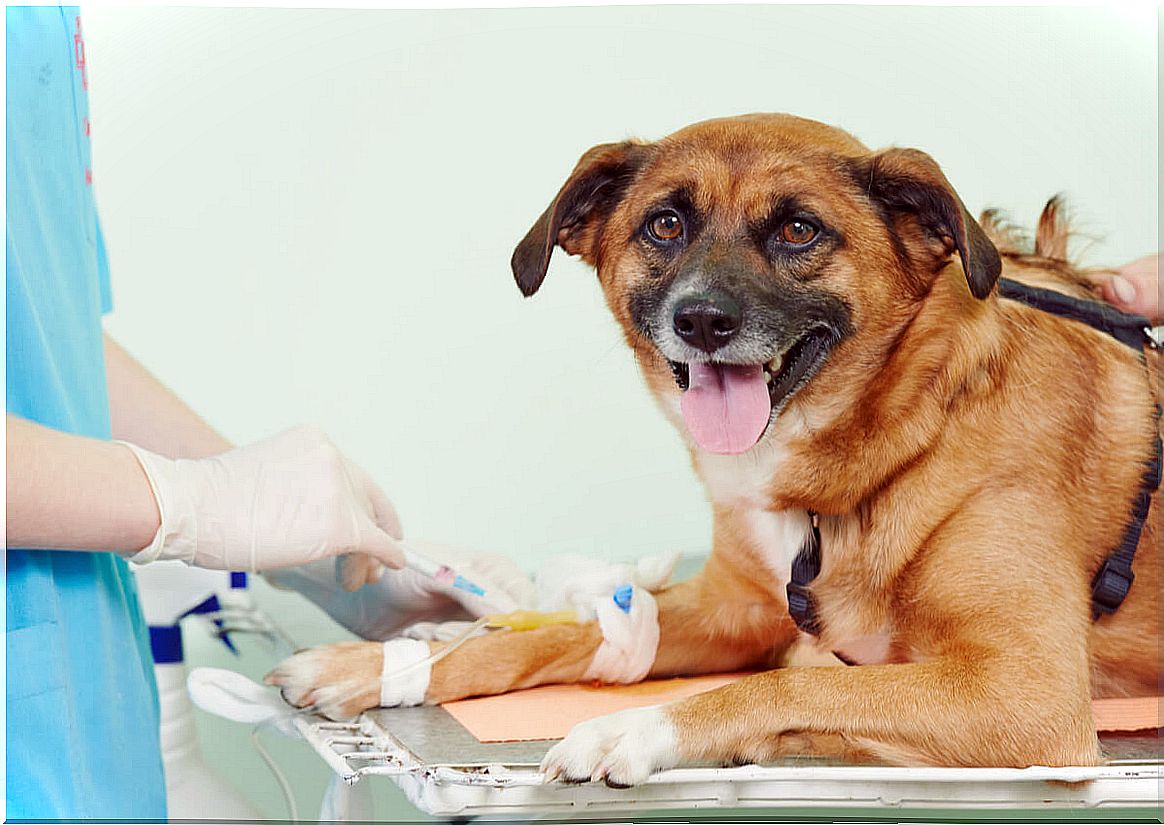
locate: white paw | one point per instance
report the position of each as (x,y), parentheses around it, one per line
(297,676)
(622,749)
(338,681)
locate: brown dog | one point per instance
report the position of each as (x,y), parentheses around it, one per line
(822,324)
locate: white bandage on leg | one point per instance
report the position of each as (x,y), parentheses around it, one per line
(406,672)
(629,640)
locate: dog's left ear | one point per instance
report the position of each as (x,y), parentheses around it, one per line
(909,180)
(574,220)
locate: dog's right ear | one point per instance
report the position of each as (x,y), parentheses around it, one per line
(574,220)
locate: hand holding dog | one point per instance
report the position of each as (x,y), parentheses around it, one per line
(1134,287)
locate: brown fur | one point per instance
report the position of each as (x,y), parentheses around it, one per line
(973,461)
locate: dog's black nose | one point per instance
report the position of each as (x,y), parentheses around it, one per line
(707,321)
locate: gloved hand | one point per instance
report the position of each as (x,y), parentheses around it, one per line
(287,500)
(405,598)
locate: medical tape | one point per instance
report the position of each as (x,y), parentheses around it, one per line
(405,674)
(630,639)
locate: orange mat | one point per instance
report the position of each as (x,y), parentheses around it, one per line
(1136,713)
(549,712)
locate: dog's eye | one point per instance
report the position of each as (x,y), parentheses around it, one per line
(798,232)
(665,226)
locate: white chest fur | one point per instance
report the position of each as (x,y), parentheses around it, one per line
(741,482)
(778,536)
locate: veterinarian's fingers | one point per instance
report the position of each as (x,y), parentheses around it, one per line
(1133,287)
(1131,296)
(354,570)
(380,547)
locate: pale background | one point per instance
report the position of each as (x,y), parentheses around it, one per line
(310,215)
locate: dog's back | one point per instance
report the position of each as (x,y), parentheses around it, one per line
(1118,643)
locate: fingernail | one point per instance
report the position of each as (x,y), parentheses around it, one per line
(1124,290)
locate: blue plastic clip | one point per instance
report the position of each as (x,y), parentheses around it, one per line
(622,597)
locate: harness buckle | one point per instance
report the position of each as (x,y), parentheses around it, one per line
(802,608)
(1110,586)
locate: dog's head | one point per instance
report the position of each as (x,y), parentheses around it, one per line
(749,259)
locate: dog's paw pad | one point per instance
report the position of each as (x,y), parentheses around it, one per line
(622,749)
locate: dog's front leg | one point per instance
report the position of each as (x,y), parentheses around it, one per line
(343,679)
(960,710)
(706,625)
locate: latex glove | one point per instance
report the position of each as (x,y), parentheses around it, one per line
(403,598)
(287,500)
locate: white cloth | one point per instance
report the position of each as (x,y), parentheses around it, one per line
(288,500)
(233,696)
(581,583)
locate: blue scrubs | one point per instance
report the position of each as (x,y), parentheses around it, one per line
(81,706)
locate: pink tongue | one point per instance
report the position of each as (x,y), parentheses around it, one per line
(726,407)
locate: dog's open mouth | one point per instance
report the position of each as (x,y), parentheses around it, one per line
(727,407)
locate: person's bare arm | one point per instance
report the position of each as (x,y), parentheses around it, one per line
(74,493)
(287,500)
(147,413)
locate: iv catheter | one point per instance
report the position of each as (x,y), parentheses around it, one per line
(439,572)
(533,619)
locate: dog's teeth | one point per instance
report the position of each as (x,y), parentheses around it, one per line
(775,363)
(767,377)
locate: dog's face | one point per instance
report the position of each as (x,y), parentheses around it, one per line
(759,261)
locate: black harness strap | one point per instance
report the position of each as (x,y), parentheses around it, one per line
(805,568)
(1132,330)
(1114,579)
